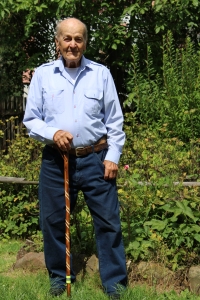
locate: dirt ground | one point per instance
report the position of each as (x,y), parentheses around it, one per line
(157,276)
(143,273)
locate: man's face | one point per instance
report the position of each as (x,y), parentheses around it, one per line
(71,42)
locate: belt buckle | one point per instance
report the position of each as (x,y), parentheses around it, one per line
(77,149)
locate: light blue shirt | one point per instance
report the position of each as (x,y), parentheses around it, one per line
(87,108)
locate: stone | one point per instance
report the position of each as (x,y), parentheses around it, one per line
(31,261)
(92,265)
(155,273)
(194,279)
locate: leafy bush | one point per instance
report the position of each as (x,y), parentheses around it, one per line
(19,203)
(169,100)
(160,220)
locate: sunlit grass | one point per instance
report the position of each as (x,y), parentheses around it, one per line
(8,252)
(25,285)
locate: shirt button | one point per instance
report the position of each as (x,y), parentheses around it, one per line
(75,120)
(74,92)
(77,135)
(74,106)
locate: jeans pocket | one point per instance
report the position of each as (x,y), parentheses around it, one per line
(101,156)
(49,155)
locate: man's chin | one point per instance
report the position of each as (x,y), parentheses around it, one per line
(72,55)
(71,58)
(72,62)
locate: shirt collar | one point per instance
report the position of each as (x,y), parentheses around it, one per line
(84,63)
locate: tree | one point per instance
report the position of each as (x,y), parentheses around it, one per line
(27,40)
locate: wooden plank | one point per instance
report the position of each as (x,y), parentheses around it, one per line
(11,106)
(10,179)
(192,183)
(18,180)
(184,183)
(4,179)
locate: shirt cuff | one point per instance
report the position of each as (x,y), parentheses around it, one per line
(113,156)
(49,133)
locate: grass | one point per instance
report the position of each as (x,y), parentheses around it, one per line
(24,285)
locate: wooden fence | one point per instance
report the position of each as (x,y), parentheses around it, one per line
(19,180)
(11,116)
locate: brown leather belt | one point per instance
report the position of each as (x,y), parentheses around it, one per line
(82,151)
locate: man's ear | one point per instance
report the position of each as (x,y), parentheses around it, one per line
(57,43)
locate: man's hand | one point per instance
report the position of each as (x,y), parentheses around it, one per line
(63,140)
(111,169)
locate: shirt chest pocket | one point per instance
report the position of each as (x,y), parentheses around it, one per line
(93,101)
(54,101)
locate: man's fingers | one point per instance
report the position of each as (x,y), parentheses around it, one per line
(63,139)
(111,170)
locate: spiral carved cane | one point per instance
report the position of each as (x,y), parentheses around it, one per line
(67,222)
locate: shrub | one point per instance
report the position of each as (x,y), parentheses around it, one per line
(19,203)
(160,220)
(169,99)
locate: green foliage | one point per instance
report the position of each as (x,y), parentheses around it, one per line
(27,33)
(82,229)
(19,214)
(183,11)
(22,159)
(19,203)
(160,220)
(169,101)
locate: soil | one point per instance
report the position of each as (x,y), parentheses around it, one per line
(144,273)
(177,281)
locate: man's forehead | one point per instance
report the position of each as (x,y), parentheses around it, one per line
(71,31)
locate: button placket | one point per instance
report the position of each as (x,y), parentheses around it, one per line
(75,113)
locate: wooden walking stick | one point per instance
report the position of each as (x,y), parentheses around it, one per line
(67,222)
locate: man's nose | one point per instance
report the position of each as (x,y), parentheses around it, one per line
(72,43)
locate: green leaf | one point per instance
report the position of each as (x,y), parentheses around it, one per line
(157,224)
(157,29)
(185,209)
(104,4)
(114,46)
(195,2)
(197,237)
(134,245)
(158,7)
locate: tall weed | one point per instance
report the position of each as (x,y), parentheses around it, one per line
(168,99)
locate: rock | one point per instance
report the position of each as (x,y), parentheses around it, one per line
(92,265)
(29,246)
(155,273)
(194,279)
(31,261)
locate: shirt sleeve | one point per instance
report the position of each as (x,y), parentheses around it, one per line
(33,117)
(113,120)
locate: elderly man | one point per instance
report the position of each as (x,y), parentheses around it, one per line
(73,105)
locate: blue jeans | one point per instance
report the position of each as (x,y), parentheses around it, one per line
(85,174)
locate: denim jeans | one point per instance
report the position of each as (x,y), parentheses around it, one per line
(85,174)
